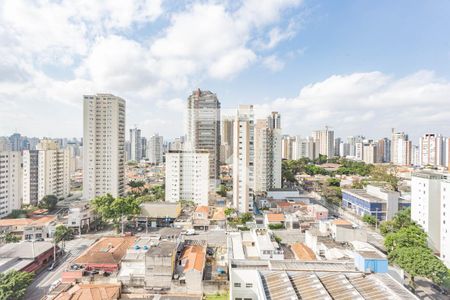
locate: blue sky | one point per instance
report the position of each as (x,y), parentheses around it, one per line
(361,67)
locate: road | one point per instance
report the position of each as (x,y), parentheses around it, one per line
(41,284)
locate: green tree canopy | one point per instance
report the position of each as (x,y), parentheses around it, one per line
(369,219)
(62,234)
(112,209)
(411,236)
(13,284)
(417,261)
(48,202)
(401,219)
(11,238)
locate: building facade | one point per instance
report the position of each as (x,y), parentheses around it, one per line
(103,146)
(401,148)
(325,140)
(135,144)
(187,176)
(10,182)
(243,159)
(203,128)
(155,150)
(431,149)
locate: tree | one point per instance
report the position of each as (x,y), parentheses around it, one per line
(245,217)
(229,211)
(334,182)
(13,284)
(158,191)
(114,209)
(401,219)
(11,238)
(407,237)
(369,219)
(421,262)
(137,187)
(222,191)
(62,234)
(387,174)
(48,202)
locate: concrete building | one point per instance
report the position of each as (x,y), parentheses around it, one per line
(190,268)
(256,244)
(426,204)
(160,265)
(400,149)
(243,158)
(26,256)
(287,147)
(81,217)
(384,150)
(103,146)
(187,176)
(304,148)
(135,144)
(431,150)
(370,152)
(267,155)
(11,195)
(445,222)
(325,140)
(375,201)
(155,150)
(203,128)
(46,171)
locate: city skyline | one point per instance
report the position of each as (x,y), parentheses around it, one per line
(327,64)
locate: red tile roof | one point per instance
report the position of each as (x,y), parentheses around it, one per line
(108,250)
(303,252)
(194,257)
(275,217)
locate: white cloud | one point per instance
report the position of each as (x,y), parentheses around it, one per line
(369,103)
(273,63)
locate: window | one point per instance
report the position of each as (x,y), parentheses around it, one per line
(249,285)
(237,284)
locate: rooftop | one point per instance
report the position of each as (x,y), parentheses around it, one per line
(91,292)
(202,209)
(275,217)
(303,252)
(164,248)
(28,221)
(341,222)
(108,250)
(364,195)
(194,258)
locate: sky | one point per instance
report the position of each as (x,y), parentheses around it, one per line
(361,67)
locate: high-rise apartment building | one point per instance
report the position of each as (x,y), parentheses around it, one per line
(243,158)
(325,140)
(287,147)
(400,149)
(135,144)
(103,146)
(187,176)
(337,147)
(431,149)
(155,150)
(46,171)
(10,182)
(203,128)
(384,150)
(370,153)
(144,144)
(430,209)
(304,148)
(267,153)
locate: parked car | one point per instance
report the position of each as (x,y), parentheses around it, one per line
(52,266)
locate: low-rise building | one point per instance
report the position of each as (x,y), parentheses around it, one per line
(200,218)
(373,200)
(190,268)
(80,217)
(106,254)
(256,244)
(158,214)
(371,262)
(160,265)
(110,291)
(302,252)
(32,228)
(26,256)
(274,219)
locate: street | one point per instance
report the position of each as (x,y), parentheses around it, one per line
(42,282)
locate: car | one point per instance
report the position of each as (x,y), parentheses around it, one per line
(440,289)
(39,239)
(52,266)
(189,232)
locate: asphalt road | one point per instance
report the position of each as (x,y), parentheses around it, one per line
(41,284)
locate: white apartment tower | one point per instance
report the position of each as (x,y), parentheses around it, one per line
(103,146)
(155,149)
(226,137)
(135,144)
(187,176)
(304,148)
(370,153)
(10,182)
(203,128)
(287,147)
(431,150)
(243,158)
(426,204)
(445,222)
(325,140)
(400,149)
(267,164)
